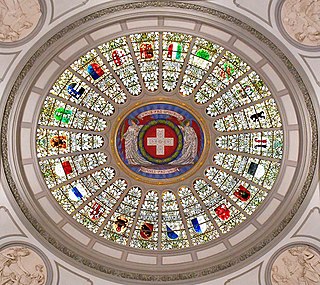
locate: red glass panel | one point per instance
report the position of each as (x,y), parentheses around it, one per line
(242,193)
(67,167)
(146,51)
(96,211)
(223,212)
(118,57)
(146,231)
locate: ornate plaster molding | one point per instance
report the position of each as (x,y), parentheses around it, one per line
(56,17)
(154,278)
(312,217)
(13,230)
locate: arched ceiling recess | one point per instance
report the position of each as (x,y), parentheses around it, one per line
(197,74)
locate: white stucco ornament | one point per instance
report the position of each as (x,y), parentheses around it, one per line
(18,18)
(21,265)
(301,20)
(299,264)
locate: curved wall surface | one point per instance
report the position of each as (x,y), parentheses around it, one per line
(151,142)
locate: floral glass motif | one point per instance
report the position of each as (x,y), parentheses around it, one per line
(118,55)
(175,48)
(173,232)
(146,50)
(76,161)
(202,56)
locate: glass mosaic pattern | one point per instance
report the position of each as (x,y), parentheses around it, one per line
(77,163)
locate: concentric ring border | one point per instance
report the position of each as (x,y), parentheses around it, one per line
(148,277)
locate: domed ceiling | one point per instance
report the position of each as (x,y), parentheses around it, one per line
(159,140)
(218,114)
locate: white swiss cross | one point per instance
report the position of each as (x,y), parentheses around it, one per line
(160,141)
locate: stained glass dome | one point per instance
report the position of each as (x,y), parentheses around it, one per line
(159,140)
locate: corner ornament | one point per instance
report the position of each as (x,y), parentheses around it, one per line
(299,264)
(18,18)
(21,265)
(301,20)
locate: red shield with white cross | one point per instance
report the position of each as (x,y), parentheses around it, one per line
(160,141)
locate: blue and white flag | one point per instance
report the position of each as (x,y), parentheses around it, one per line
(77,192)
(199,224)
(171,234)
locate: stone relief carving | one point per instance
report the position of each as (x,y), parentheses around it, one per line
(18,19)
(20,265)
(298,265)
(301,20)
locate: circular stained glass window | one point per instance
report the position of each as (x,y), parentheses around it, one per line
(159,140)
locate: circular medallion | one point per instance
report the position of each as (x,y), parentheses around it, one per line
(160,140)
(298,263)
(22,264)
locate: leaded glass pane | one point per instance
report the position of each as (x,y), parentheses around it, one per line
(117,53)
(145,234)
(202,56)
(199,224)
(175,48)
(173,232)
(146,49)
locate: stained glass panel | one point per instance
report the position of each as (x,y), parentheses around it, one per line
(175,48)
(173,232)
(229,68)
(202,56)
(259,116)
(199,224)
(117,53)
(59,170)
(91,67)
(120,224)
(267,143)
(146,49)
(94,213)
(92,130)
(53,142)
(145,234)
(56,113)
